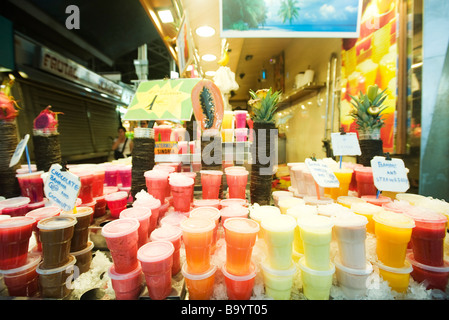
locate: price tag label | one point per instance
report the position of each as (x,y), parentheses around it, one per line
(19,151)
(345,144)
(322,174)
(390,175)
(61,187)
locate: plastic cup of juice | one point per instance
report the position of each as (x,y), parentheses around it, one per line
(299,181)
(84,257)
(127,286)
(286,203)
(110,175)
(208,213)
(122,238)
(98,182)
(197,235)
(32,186)
(316,284)
(398,278)
(38,215)
(316,234)
(353,282)
(365,181)
(227,135)
(125,173)
(398,206)
(23,281)
(278,194)
(378,201)
(311,186)
(182,191)
(157,184)
(258,213)
(368,210)
(100,206)
(428,235)
(155,206)
(347,201)
(162,133)
(80,237)
(332,209)
(344,176)
(239,287)
(278,236)
(14,207)
(237,180)
(233,211)
(232,201)
(241,134)
(433,277)
(143,215)
(174,235)
(393,232)
(116,203)
(297,212)
(240,118)
(240,237)
(56,234)
(56,283)
(411,198)
(228,120)
(211,182)
(200,286)
(350,232)
(86,179)
(290,166)
(278,283)
(206,203)
(156,259)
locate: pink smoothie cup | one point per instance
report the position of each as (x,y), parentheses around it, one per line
(157,184)
(15,234)
(156,258)
(14,207)
(125,175)
(122,238)
(211,182)
(237,181)
(87,179)
(212,214)
(181,188)
(116,203)
(240,118)
(143,215)
(174,235)
(127,286)
(110,176)
(241,134)
(38,215)
(98,182)
(32,186)
(155,206)
(365,181)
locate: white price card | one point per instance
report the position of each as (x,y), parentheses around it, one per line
(345,144)
(322,174)
(19,150)
(61,187)
(390,174)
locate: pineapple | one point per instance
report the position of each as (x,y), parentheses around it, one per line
(264,104)
(368,109)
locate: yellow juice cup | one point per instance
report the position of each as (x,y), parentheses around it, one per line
(297,212)
(260,212)
(285,203)
(228,120)
(393,232)
(316,234)
(278,283)
(397,278)
(367,210)
(347,201)
(227,135)
(316,284)
(278,236)
(344,176)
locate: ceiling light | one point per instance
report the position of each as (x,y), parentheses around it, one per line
(205,31)
(210,73)
(209,57)
(165,16)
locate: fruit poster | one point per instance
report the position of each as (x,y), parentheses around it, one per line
(372,59)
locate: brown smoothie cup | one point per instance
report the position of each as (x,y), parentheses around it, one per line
(56,283)
(80,237)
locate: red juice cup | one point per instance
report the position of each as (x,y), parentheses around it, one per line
(125,173)
(98,183)
(237,180)
(378,201)
(23,281)
(15,234)
(208,213)
(365,181)
(353,183)
(181,188)
(428,235)
(122,240)
(116,202)
(211,182)
(127,286)
(157,184)
(110,176)
(174,235)
(100,206)
(200,286)
(156,258)
(38,215)
(154,205)
(15,207)
(233,211)
(143,215)
(193,176)
(240,118)
(206,203)
(162,133)
(239,287)
(32,186)
(432,277)
(87,179)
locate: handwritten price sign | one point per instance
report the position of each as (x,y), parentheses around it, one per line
(61,187)
(390,175)
(322,174)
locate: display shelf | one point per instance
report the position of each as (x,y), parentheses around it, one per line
(300,93)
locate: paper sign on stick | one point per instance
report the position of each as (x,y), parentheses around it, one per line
(389,175)
(61,187)
(345,144)
(19,151)
(322,174)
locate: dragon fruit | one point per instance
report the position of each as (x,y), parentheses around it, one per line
(46,120)
(8,111)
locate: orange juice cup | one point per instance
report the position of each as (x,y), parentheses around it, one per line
(197,234)
(397,278)
(367,210)
(393,232)
(344,176)
(208,213)
(200,286)
(240,236)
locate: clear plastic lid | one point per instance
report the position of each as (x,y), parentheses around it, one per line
(197,225)
(173,218)
(228,202)
(200,276)
(315,222)
(124,276)
(56,222)
(393,219)
(14,202)
(280,193)
(15,222)
(257,213)
(120,195)
(207,212)
(410,197)
(155,251)
(29,174)
(315,201)
(444,268)
(349,220)
(332,209)
(406,269)
(289,201)
(365,208)
(420,214)
(279,272)
(282,223)
(349,200)
(236,172)
(359,272)
(206,202)
(213,172)
(302,209)
(32,261)
(303,266)
(181,181)
(89,247)
(80,212)
(120,227)
(45,212)
(252,273)
(398,206)
(65,268)
(108,190)
(241,225)
(234,210)
(139,213)
(161,174)
(166,232)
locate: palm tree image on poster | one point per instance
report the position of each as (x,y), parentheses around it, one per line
(290,18)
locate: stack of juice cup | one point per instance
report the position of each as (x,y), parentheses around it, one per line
(125,173)
(38,215)
(122,236)
(236,180)
(290,166)
(211,183)
(198,272)
(56,234)
(143,199)
(17,265)
(182,191)
(352,267)
(279,268)
(427,241)
(174,235)
(32,186)
(143,215)
(393,233)
(316,268)
(238,270)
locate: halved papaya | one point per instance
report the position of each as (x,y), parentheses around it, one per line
(207,103)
